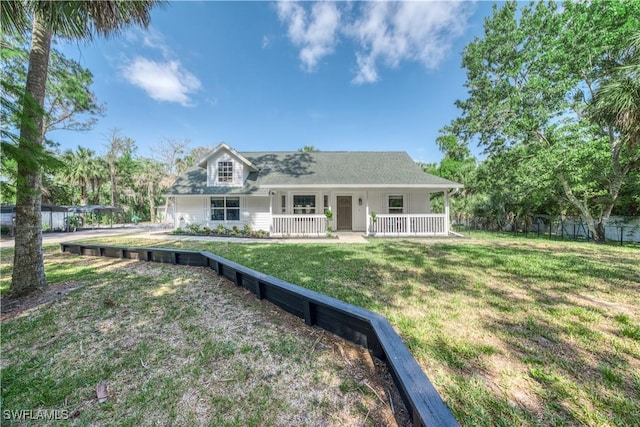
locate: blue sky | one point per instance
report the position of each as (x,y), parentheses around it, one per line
(281,75)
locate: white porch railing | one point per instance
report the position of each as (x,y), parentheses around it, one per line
(409,225)
(298,225)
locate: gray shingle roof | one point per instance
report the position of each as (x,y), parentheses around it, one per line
(320,168)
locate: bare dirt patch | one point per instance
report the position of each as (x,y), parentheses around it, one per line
(16,307)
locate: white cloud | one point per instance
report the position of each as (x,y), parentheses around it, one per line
(315,33)
(405,31)
(386,33)
(163,81)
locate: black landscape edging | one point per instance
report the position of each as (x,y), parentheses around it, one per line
(348,321)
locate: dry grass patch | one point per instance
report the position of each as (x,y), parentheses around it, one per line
(180,345)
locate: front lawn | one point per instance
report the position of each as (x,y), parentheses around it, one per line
(175,345)
(511,331)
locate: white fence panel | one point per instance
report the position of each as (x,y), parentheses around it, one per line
(409,225)
(298,225)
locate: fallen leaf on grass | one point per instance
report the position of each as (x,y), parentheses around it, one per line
(101,391)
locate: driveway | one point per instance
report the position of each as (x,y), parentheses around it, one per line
(153,232)
(59,237)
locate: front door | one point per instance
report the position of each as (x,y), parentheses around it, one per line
(344,213)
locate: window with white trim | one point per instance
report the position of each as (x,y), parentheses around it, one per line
(225,208)
(326,202)
(304,204)
(225,171)
(396,204)
(284,203)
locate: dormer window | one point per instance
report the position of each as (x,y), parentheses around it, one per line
(225,172)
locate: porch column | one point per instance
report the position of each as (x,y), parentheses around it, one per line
(446,211)
(366,212)
(270,211)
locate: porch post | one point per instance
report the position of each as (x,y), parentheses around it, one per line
(366,212)
(446,211)
(270,211)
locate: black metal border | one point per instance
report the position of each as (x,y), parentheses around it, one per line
(348,321)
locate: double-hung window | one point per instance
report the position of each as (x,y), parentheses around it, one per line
(304,204)
(225,208)
(225,171)
(396,204)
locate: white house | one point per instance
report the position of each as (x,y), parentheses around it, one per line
(288,193)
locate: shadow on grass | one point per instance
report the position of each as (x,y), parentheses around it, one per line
(572,358)
(564,346)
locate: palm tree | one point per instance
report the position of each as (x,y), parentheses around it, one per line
(99,176)
(80,170)
(617,101)
(79,20)
(148,180)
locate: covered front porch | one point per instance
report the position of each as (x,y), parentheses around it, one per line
(401,212)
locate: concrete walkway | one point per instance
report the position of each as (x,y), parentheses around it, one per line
(151,232)
(338,238)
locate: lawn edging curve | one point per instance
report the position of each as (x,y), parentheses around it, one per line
(356,324)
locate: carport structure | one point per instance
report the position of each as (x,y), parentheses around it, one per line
(54,217)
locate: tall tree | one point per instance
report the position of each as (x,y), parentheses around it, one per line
(530,80)
(148,180)
(68,19)
(69,103)
(457,165)
(81,170)
(170,155)
(119,154)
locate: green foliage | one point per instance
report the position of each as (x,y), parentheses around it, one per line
(68,97)
(308,149)
(531,80)
(194,228)
(74,221)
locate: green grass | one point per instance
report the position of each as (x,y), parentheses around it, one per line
(512,331)
(175,346)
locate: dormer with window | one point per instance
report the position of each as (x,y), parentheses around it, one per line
(226,167)
(225,171)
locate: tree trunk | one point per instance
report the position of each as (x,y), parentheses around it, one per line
(113,187)
(583,208)
(28,262)
(84,196)
(152,203)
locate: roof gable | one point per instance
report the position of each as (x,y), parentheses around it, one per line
(224,147)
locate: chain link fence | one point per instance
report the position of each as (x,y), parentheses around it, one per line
(618,230)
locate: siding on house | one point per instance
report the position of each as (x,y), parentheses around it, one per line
(239,173)
(256,212)
(197,210)
(189,210)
